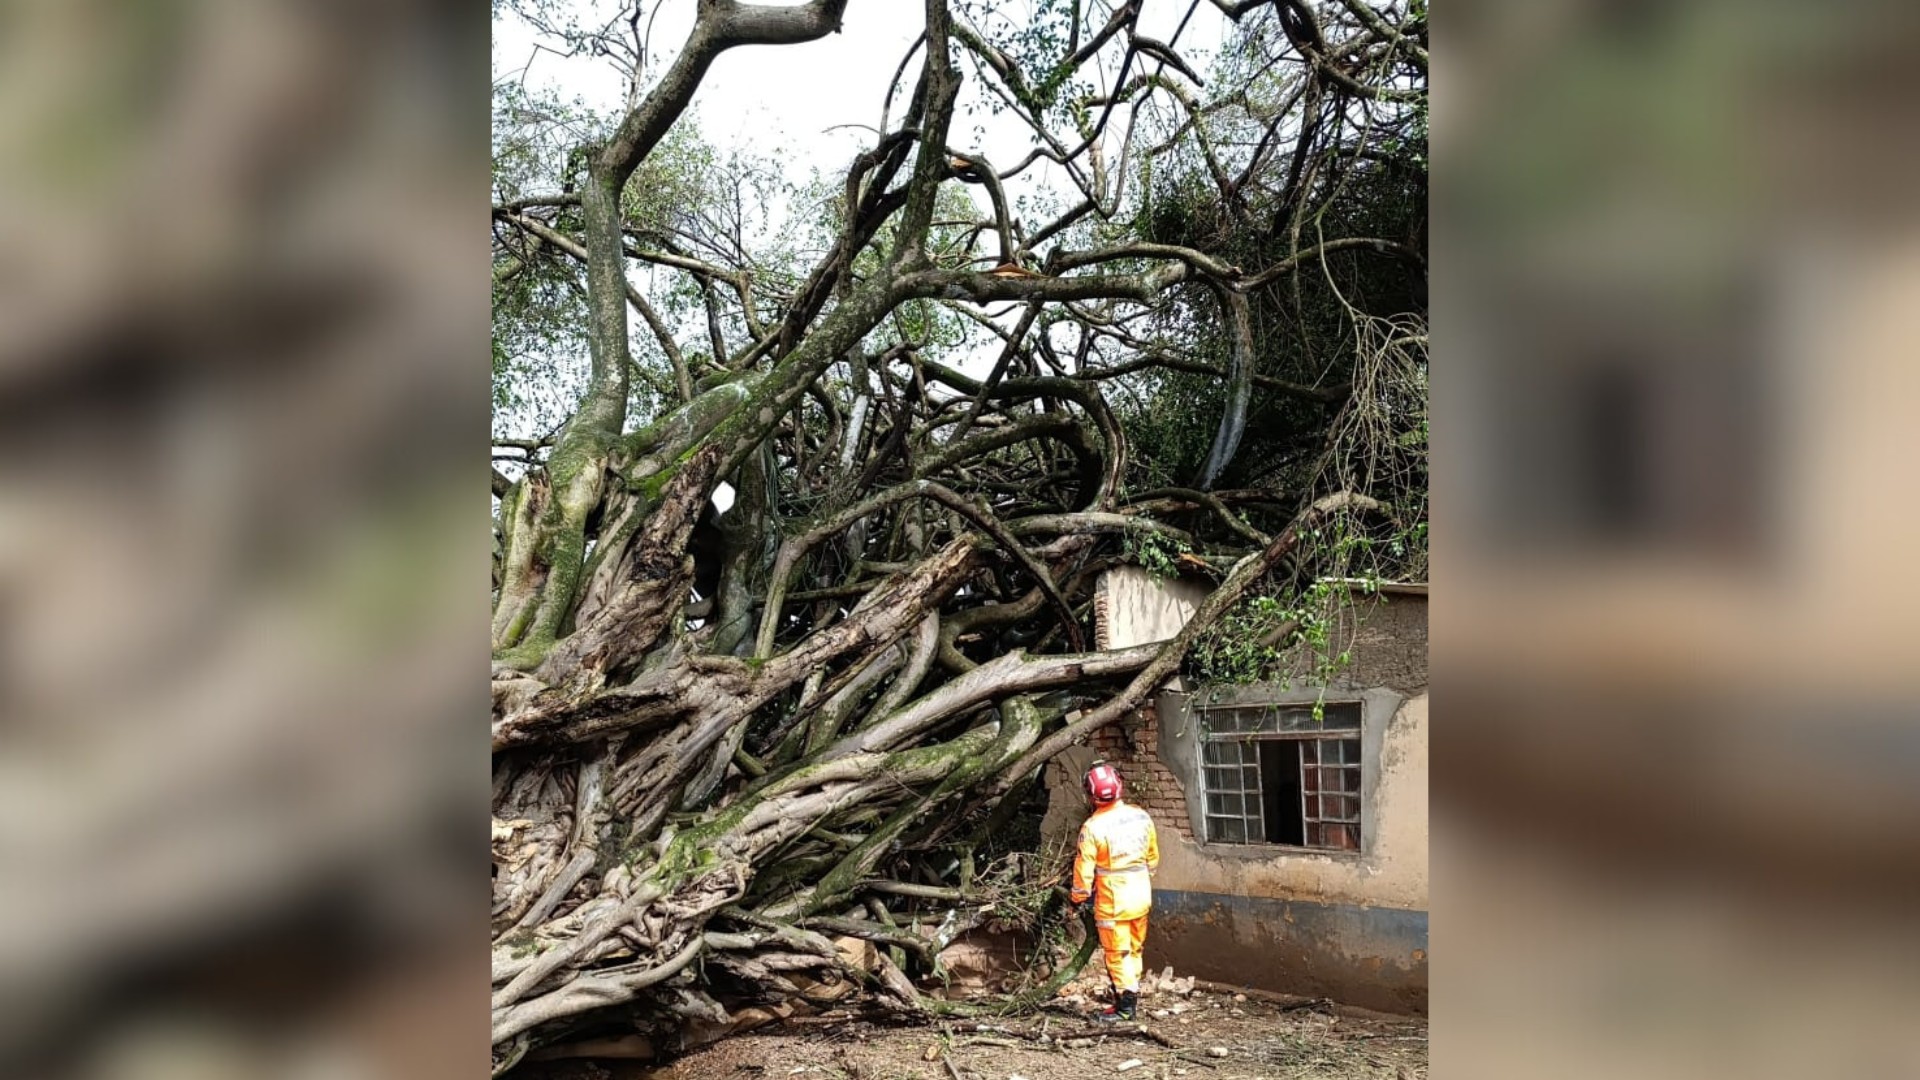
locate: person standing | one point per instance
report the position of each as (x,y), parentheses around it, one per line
(1113,869)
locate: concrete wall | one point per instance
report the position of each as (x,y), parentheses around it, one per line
(1132,607)
(1350,925)
(1372,957)
(1346,925)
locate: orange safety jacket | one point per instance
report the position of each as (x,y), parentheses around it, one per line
(1118,852)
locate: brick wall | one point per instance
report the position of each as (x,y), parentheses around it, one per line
(1132,746)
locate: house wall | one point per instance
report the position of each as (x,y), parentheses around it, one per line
(1350,926)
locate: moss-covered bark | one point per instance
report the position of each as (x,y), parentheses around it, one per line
(1020,725)
(575,475)
(521,576)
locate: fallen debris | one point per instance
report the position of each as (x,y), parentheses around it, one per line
(1270,1041)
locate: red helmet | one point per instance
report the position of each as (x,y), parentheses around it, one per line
(1103,783)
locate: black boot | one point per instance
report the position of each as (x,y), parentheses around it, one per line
(1122,1008)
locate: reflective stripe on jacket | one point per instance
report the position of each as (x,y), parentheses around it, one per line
(1118,851)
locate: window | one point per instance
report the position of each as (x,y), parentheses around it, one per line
(1274,774)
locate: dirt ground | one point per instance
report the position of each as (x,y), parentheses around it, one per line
(1205,1034)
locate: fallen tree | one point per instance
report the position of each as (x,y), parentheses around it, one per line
(728,744)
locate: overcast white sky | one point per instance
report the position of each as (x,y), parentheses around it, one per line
(793,96)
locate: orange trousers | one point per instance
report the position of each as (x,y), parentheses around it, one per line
(1124,941)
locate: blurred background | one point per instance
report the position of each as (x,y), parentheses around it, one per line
(1677,629)
(1676,624)
(242,534)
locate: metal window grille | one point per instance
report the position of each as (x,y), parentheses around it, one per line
(1326,749)
(1330,792)
(1235,806)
